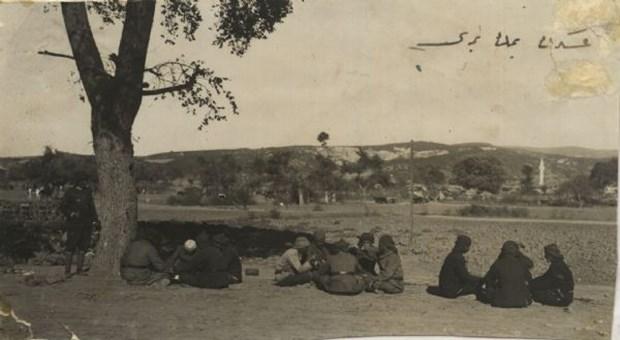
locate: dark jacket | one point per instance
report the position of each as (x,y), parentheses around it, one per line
(142,254)
(454,274)
(208,259)
(232,262)
(558,276)
(507,282)
(390,267)
(78,207)
(367,258)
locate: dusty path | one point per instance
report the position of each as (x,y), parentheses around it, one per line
(258,310)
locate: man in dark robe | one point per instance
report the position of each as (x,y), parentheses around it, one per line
(342,272)
(78,208)
(141,263)
(454,278)
(507,280)
(231,259)
(206,268)
(555,286)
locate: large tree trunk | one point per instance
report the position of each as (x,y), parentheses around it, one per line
(116,200)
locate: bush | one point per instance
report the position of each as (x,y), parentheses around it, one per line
(475,210)
(21,241)
(318,207)
(275,214)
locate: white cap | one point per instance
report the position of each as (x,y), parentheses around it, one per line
(190,245)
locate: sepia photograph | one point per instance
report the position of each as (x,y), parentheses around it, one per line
(309,169)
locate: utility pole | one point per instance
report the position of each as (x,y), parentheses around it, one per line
(411,194)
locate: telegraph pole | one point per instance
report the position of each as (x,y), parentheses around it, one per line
(411,194)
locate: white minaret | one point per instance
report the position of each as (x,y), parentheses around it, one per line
(541,173)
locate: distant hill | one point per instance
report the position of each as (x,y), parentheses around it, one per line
(571,151)
(561,163)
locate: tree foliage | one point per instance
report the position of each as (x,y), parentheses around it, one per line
(578,189)
(527,179)
(480,173)
(368,171)
(604,174)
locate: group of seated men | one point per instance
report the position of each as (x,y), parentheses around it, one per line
(208,262)
(339,269)
(508,283)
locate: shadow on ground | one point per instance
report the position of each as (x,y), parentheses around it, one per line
(250,241)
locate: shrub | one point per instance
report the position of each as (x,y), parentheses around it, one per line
(318,207)
(476,210)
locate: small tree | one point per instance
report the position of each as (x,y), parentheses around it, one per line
(480,173)
(578,188)
(323,138)
(604,174)
(367,171)
(527,181)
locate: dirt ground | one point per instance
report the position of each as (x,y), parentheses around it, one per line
(256,309)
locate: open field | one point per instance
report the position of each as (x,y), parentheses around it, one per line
(197,213)
(256,309)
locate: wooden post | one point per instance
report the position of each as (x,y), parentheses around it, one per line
(411,195)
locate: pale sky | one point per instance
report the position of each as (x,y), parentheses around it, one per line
(341,66)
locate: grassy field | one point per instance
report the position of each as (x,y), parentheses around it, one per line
(196,213)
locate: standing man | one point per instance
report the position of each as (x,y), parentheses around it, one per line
(78,208)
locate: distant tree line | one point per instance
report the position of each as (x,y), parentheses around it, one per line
(283,176)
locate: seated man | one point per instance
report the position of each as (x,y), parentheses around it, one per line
(142,265)
(554,287)
(454,278)
(231,259)
(295,267)
(341,272)
(206,268)
(507,280)
(319,249)
(366,253)
(390,278)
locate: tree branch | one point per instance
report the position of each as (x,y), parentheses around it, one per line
(84,48)
(169,89)
(54,54)
(132,53)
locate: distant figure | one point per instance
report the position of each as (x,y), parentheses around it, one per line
(141,263)
(555,286)
(507,280)
(206,268)
(390,279)
(342,272)
(295,266)
(454,278)
(78,208)
(366,253)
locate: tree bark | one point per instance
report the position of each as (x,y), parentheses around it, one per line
(116,200)
(115,101)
